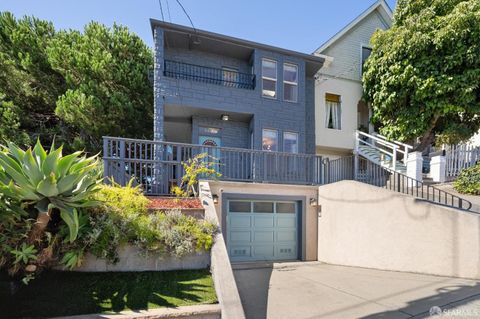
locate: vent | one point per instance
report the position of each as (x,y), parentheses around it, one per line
(285,250)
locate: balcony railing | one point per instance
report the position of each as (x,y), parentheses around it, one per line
(225,77)
(157,166)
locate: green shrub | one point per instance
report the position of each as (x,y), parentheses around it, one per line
(468,182)
(42,195)
(123,218)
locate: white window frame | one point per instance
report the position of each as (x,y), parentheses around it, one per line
(328,112)
(290,132)
(290,83)
(270,79)
(276,132)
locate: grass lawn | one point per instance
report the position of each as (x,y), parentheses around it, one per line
(69,293)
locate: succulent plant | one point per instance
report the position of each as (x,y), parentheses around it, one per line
(48,181)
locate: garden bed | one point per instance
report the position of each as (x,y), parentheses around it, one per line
(187,206)
(71,293)
(173,203)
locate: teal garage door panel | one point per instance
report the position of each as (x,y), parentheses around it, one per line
(262,230)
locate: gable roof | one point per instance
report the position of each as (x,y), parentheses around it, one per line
(379,5)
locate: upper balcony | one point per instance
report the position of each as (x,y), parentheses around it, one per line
(225,76)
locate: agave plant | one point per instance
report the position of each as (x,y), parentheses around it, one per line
(48,181)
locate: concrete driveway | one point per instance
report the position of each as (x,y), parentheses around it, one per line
(315,290)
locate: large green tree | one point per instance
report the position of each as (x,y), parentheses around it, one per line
(108,87)
(27,81)
(422,78)
(72,86)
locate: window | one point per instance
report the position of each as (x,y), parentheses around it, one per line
(290,142)
(365,54)
(269,78)
(286,208)
(263,207)
(239,207)
(202,130)
(333,112)
(270,140)
(290,82)
(230,76)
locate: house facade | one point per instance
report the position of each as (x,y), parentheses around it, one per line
(216,90)
(339,109)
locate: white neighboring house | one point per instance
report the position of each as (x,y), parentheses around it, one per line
(339,110)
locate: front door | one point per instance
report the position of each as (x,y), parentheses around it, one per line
(214,153)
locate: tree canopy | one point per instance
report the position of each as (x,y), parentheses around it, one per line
(73,86)
(422,78)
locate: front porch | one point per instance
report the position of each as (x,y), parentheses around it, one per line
(157,166)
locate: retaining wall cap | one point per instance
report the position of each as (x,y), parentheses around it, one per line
(196,311)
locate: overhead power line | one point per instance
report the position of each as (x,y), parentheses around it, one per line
(185,11)
(161,9)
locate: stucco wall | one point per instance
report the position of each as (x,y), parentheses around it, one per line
(366,226)
(309,218)
(350,93)
(132,259)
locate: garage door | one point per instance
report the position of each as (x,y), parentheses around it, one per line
(262,230)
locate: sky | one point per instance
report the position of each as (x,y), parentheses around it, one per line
(301,25)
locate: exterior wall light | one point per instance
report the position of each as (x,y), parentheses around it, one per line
(215,198)
(313,202)
(225,117)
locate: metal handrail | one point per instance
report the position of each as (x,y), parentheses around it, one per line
(381,176)
(210,75)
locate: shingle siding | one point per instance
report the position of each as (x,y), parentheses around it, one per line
(347,50)
(266,113)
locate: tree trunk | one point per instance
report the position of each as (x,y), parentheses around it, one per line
(428,137)
(39,227)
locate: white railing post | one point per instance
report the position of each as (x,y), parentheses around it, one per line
(405,155)
(394,157)
(415,165)
(438,168)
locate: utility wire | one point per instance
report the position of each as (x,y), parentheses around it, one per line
(168,11)
(161,9)
(185,11)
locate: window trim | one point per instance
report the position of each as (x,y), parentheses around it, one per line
(278,138)
(340,106)
(362,46)
(291,83)
(271,79)
(283,141)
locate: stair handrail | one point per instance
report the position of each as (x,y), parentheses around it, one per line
(377,140)
(406,146)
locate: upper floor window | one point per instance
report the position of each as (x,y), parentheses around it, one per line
(333,112)
(290,82)
(290,142)
(230,76)
(366,51)
(270,140)
(269,78)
